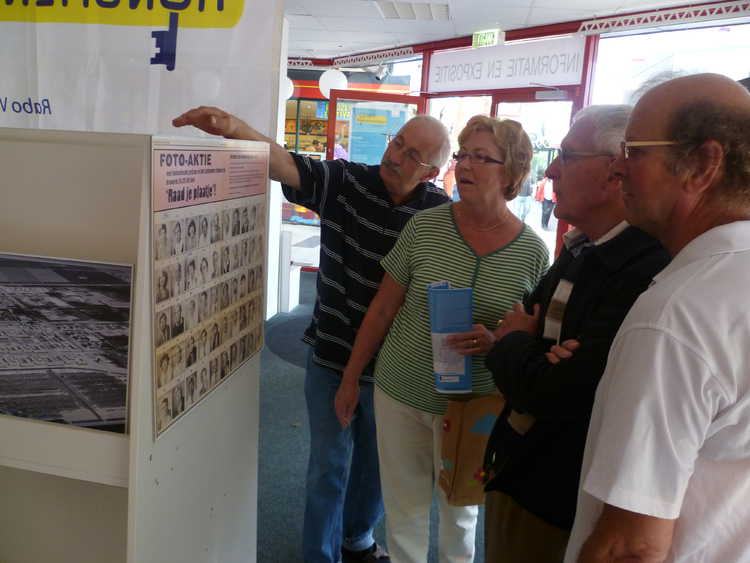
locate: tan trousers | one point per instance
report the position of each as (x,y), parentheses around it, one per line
(409,445)
(515,535)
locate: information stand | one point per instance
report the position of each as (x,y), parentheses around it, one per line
(72,494)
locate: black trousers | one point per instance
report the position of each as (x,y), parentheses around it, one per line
(547,206)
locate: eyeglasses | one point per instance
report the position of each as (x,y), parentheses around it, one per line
(626,146)
(475,158)
(567,156)
(410,153)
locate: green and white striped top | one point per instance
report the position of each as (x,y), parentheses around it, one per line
(431,249)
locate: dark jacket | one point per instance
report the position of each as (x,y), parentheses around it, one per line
(540,470)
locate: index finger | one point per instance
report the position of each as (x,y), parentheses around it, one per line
(187,117)
(203,117)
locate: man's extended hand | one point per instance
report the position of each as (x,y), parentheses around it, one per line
(562,351)
(214,121)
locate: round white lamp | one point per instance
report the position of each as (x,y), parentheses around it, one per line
(287,88)
(332,80)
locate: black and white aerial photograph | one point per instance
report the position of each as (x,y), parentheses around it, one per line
(64,336)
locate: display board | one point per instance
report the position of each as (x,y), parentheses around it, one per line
(207,232)
(64,336)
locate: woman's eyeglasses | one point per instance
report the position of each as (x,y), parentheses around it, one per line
(475,158)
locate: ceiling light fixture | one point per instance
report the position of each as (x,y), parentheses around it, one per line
(422,11)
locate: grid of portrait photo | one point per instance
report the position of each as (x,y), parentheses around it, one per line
(208,297)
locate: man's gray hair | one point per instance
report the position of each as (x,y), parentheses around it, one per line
(441,157)
(609,122)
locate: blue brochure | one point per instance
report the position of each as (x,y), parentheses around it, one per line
(450,313)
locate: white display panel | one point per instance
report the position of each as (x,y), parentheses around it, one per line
(73,195)
(190,496)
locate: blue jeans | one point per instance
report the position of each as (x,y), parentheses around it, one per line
(344,502)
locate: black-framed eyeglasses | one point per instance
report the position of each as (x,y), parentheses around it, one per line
(567,156)
(410,153)
(626,146)
(475,158)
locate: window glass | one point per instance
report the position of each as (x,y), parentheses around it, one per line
(625,63)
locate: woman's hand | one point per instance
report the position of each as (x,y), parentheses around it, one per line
(478,340)
(347,398)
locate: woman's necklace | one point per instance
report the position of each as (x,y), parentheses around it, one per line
(486,229)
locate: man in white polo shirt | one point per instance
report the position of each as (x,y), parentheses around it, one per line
(666,473)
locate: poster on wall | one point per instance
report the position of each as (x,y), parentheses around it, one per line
(131,66)
(371,131)
(64,336)
(208,233)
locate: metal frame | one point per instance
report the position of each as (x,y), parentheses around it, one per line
(674,16)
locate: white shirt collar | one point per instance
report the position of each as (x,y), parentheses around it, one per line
(572,237)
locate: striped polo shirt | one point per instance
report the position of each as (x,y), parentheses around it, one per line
(358,226)
(431,249)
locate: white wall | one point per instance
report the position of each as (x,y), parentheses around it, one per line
(275,197)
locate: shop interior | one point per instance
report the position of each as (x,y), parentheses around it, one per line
(351,74)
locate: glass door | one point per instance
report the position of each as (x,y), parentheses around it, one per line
(361,124)
(454,112)
(546,123)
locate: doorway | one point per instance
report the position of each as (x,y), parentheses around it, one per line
(546,123)
(361,124)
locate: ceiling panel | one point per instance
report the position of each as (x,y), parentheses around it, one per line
(390,26)
(505,19)
(294,7)
(351,8)
(298,22)
(558,13)
(334,28)
(624,6)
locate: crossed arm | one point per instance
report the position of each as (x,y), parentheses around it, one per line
(218,122)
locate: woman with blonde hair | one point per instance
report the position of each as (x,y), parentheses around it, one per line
(478,243)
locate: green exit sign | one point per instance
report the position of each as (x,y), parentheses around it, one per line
(487,38)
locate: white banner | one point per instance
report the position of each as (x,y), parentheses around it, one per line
(548,62)
(133,65)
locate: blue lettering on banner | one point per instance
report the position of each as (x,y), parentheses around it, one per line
(27,106)
(166,44)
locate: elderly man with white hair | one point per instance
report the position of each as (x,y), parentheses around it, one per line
(535,452)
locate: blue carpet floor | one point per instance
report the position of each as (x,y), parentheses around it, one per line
(284,438)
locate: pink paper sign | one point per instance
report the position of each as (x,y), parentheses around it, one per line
(182,178)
